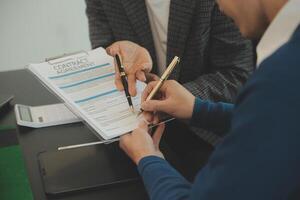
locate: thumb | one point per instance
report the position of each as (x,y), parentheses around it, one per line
(154,105)
(158,134)
(113,49)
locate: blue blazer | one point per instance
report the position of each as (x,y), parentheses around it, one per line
(260,157)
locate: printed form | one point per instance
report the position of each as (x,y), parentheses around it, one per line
(85,82)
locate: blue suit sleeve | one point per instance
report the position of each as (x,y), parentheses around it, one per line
(162,181)
(259,158)
(212,116)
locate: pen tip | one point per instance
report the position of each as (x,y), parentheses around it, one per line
(132,109)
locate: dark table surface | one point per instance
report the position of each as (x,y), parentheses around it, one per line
(27,90)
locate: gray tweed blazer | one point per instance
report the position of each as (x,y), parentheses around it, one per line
(215,59)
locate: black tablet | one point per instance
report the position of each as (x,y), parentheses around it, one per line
(85,168)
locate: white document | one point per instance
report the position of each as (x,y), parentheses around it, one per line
(85,82)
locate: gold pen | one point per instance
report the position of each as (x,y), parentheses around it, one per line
(163,78)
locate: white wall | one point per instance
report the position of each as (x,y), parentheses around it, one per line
(31,30)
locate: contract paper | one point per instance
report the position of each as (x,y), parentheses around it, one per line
(85,82)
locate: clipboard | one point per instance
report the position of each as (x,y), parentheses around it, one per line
(86,69)
(50,61)
(85,168)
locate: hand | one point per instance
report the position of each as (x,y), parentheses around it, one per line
(151,77)
(174,100)
(151,118)
(140,144)
(136,60)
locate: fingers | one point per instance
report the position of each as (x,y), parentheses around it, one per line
(147,66)
(147,61)
(119,84)
(155,105)
(118,81)
(148,90)
(132,84)
(124,140)
(136,61)
(158,134)
(162,91)
(156,119)
(140,75)
(151,77)
(113,49)
(143,125)
(149,117)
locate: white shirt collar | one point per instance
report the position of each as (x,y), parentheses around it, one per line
(280,30)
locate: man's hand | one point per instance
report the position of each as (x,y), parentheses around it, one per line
(136,60)
(173,99)
(151,77)
(140,144)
